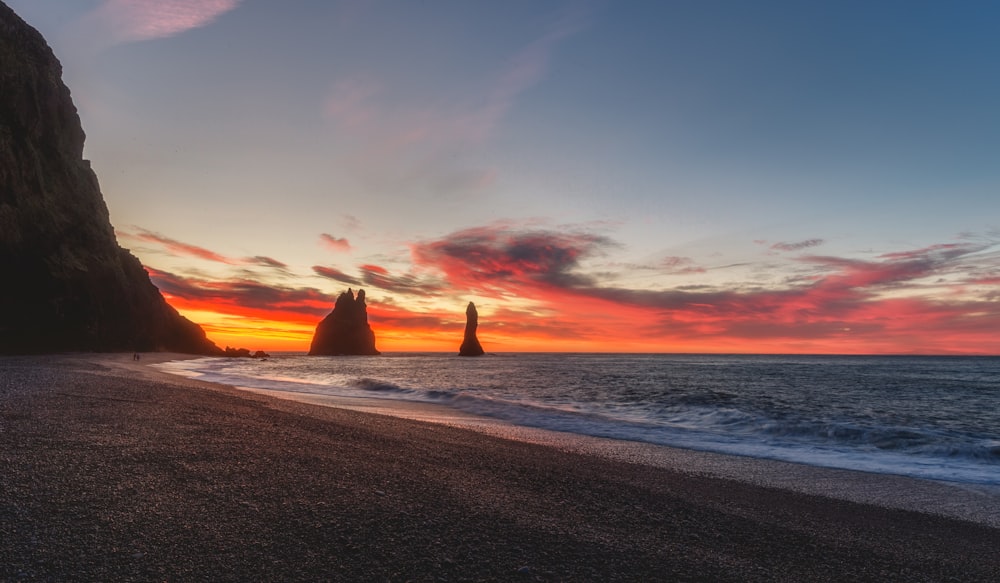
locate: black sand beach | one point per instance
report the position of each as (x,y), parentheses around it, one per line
(116,472)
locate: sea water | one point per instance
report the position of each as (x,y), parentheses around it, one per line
(925,417)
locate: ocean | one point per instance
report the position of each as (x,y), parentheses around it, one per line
(926,417)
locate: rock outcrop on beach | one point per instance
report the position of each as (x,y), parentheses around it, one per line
(244,353)
(470,344)
(67,284)
(345,330)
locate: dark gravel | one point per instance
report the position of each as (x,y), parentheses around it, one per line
(108,474)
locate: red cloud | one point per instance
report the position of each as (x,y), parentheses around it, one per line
(374,269)
(334,243)
(846,306)
(897,267)
(496,259)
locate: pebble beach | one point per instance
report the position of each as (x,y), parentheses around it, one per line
(111,470)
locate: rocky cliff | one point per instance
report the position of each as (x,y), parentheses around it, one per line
(66,283)
(345,330)
(470,344)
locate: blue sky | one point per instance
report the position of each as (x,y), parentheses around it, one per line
(645,148)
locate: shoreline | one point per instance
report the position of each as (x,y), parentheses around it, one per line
(112,470)
(979,503)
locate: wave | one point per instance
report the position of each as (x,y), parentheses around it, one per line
(377,386)
(882,450)
(710,422)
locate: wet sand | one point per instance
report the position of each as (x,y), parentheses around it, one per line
(112,470)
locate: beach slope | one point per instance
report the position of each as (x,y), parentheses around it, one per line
(117,472)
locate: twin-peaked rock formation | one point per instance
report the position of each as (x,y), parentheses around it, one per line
(345,330)
(66,283)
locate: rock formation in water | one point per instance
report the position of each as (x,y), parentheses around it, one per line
(67,284)
(345,330)
(244,353)
(470,344)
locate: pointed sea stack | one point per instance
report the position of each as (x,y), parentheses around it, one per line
(345,330)
(67,284)
(470,344)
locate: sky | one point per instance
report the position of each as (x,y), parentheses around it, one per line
(661,176)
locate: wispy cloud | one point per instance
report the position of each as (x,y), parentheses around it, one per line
(936,253)
(350,103)
(350,222)
(525,70)
(176,247)
(420,145)
(181,249)
(796,246)
(679,266)
(375,275)
(335,274)
(137,20)
(266,262)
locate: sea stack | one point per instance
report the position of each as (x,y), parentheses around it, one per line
(67,284)
(470,344)
(345,330)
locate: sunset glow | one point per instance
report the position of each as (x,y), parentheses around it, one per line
(638,177)
(555,290)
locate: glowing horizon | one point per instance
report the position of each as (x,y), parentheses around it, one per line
(536,291)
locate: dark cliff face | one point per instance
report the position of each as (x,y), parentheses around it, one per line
(345,330)
(470,343)
(67,285)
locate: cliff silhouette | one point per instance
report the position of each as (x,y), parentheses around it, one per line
(67,284)
(345,330)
